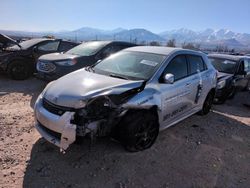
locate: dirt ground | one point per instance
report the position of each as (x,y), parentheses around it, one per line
(210,151)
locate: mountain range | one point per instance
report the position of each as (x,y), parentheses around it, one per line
(206,38)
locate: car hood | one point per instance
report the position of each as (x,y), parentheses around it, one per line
(80,86)
(224,76)
(57,57)
(5,39)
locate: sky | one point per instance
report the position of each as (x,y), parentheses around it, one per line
(154,15)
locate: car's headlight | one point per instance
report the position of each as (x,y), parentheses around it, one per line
(69,62)
(221,84)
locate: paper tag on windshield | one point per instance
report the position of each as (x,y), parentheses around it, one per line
(150,63)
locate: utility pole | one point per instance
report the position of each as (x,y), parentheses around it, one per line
(75,36)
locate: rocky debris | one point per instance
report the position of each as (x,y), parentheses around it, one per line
(208,151)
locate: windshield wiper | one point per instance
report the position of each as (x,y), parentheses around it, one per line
(90,69)
(118,76)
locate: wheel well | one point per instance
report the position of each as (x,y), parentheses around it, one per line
(212,91)
(153,110)
(17,60)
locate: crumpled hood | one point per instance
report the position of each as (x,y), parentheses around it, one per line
(82,85)
(6,39)
(57,57)
(224,76)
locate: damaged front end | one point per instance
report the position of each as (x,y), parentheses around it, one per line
(98,117)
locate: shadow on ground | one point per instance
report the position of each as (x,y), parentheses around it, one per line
(211,151)
(236,106)
(31,86)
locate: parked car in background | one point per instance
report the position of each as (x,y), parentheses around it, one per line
(234,74)
(53,66)
(19,61)
(130,95)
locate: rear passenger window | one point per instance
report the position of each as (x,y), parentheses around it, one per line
(196,64)
(178,67)
(49,46)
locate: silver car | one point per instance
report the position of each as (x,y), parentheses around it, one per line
(130,96)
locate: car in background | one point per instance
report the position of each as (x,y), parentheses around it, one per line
(19,60)
(233,74)
(130,95)
(55,65)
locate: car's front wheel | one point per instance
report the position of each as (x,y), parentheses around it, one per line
(207,105)
(19,70)
(138,130)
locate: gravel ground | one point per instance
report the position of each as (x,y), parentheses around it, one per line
(210,151)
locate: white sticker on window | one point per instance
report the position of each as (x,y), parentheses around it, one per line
(150,63)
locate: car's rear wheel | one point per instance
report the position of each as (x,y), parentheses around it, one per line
(207,105)
(19,70)
(138,130)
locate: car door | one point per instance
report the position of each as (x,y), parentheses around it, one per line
(242,75)
(247,71)
(198,79)
(46,48)
(175,97)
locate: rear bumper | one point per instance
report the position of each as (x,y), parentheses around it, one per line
(56,129)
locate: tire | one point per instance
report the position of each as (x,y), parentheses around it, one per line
(19,70)
(207,105)
(232,93)
(138,130)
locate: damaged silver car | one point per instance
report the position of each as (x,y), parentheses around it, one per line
(130,96)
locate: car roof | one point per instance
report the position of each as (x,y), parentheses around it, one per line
(158,50)
(228,57)
(114,42)
(41,39)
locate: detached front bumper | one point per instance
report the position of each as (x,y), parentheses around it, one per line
(56,129)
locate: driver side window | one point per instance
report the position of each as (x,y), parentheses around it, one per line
(49,46)
(178,67)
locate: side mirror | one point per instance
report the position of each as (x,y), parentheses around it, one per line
(168,78)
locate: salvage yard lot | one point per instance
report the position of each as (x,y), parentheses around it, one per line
(210,151)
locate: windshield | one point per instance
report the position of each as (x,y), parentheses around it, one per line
(26,44)
(88,48)
(130,65)
(224,65)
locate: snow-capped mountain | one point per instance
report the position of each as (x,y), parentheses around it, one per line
(207,37)
(138,35)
